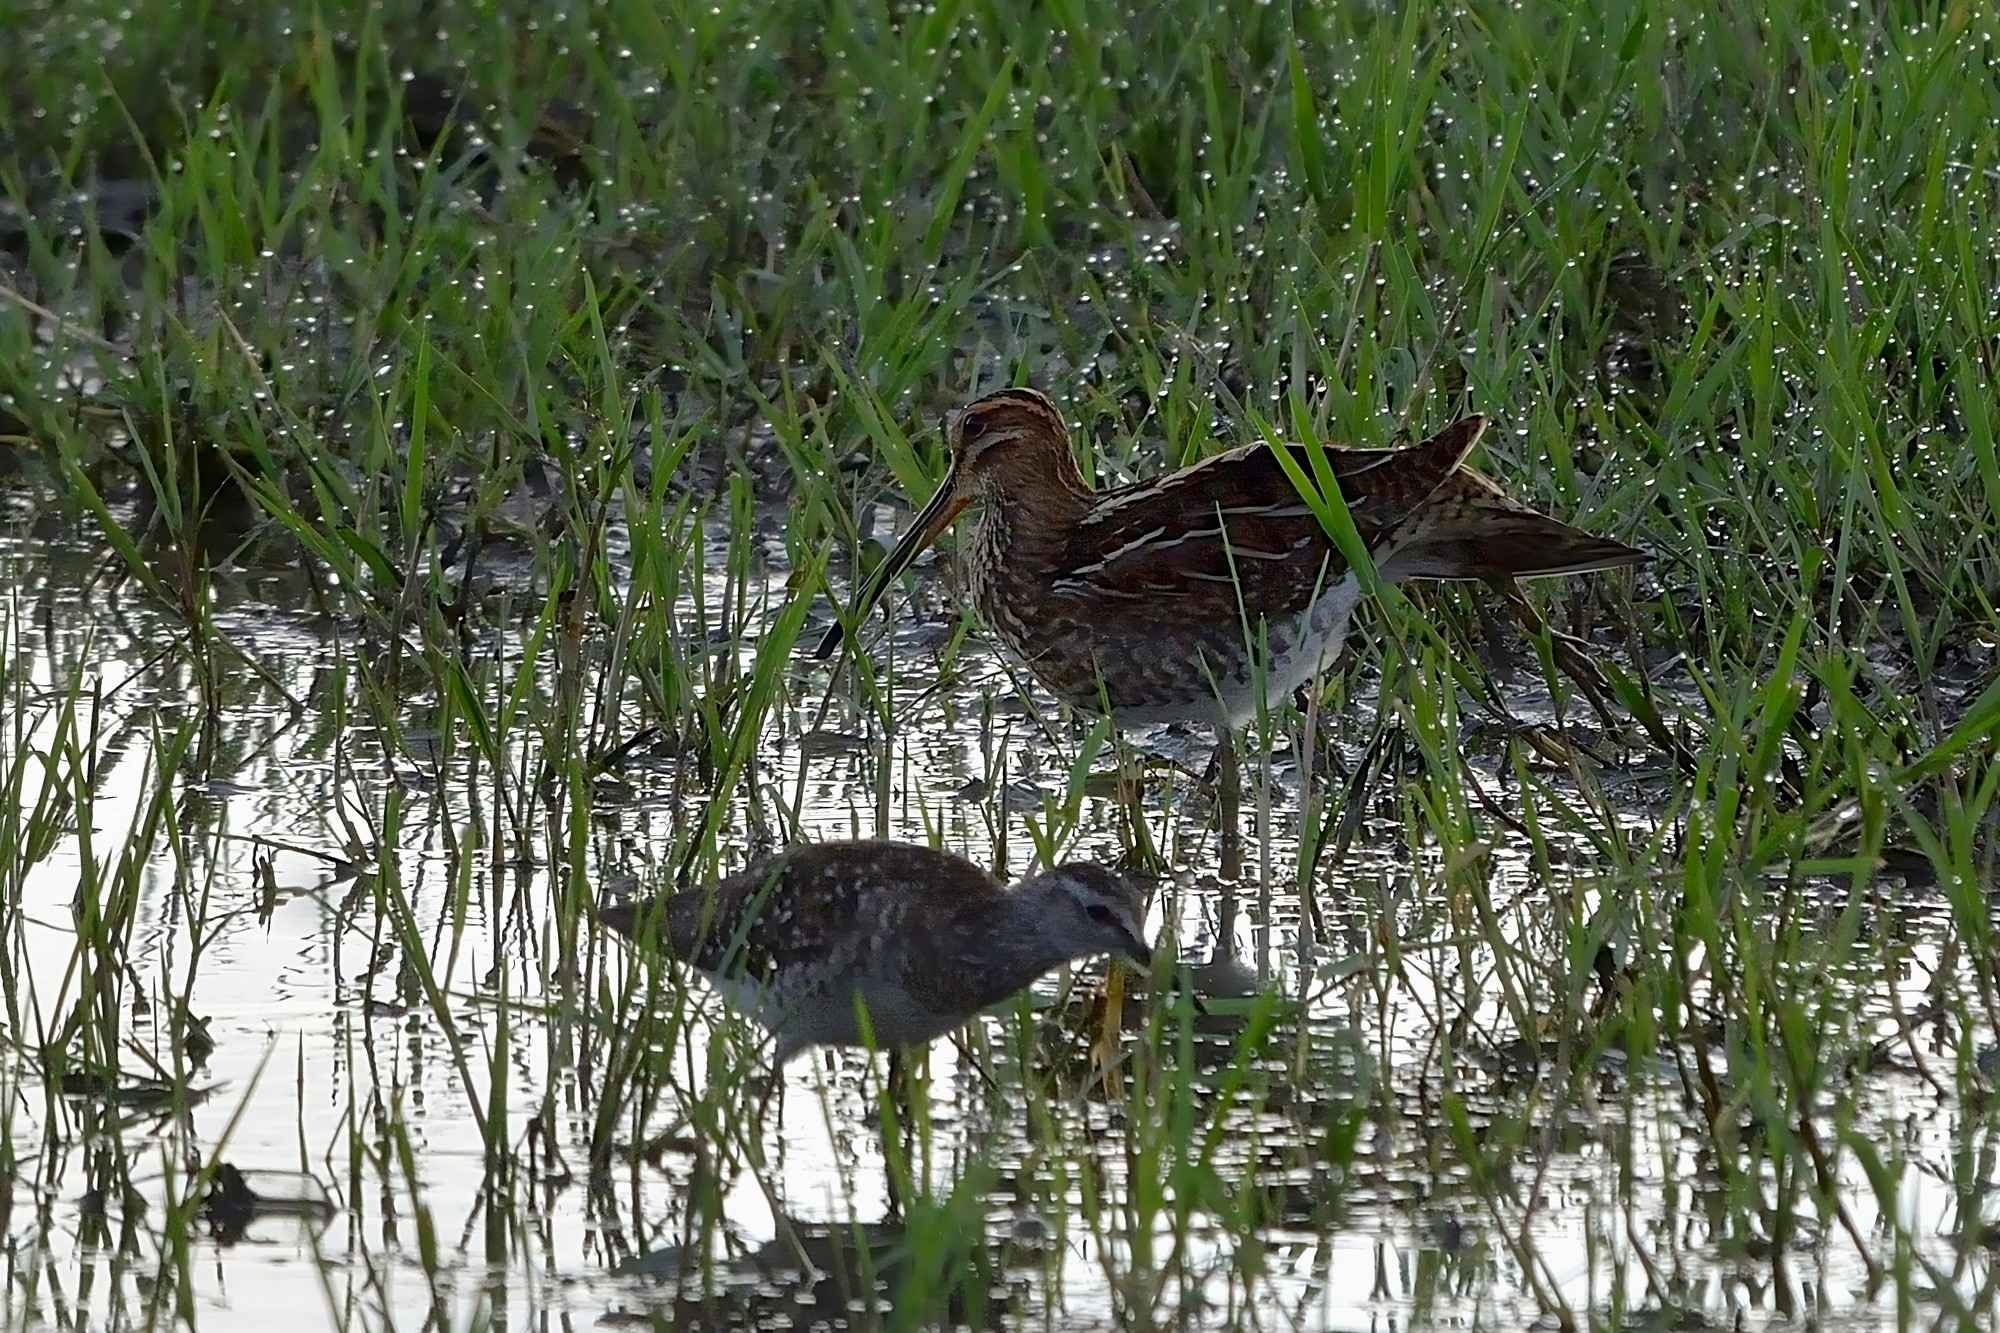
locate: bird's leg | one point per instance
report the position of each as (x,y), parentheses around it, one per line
(1229,801)
(896,1161)
(1140,850)
(767,1089)
(1319,735)
(1104,1048)
(899,1119)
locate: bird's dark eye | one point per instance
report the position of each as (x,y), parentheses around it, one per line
(1101,914)
(971,426)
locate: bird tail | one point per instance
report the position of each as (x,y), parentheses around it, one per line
(1471,530)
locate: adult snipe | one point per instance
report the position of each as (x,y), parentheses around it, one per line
(1181,597)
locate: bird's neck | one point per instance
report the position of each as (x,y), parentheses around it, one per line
(1043,481)
(1031,507)
(1012,948)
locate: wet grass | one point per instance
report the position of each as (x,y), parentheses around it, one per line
(437,432)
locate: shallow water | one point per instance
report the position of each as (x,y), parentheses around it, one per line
(335,1074)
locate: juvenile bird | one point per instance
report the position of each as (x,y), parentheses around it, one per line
(810,940)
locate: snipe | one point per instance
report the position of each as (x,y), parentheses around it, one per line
(810,940)
(1180,597)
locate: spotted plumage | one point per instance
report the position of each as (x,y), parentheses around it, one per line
(918,939)
(1175,598)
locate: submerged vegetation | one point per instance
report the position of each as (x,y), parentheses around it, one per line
(434,432)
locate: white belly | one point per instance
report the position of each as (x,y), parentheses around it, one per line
(1316,639)
(828,1015)
(1298,652)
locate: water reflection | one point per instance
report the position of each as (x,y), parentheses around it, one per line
(338,1012)
(824,1276)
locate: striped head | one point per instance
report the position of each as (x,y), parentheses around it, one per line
(1008,446)
(1087,909)
(1014,436)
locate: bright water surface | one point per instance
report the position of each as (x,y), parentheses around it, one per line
(328,1055)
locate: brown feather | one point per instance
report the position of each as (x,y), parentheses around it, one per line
(1153,599)
(780,912)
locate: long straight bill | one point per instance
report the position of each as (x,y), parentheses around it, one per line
(947,504)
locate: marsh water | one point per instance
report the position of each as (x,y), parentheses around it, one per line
(340,970)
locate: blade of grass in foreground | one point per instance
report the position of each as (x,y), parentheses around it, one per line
(1321,492)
